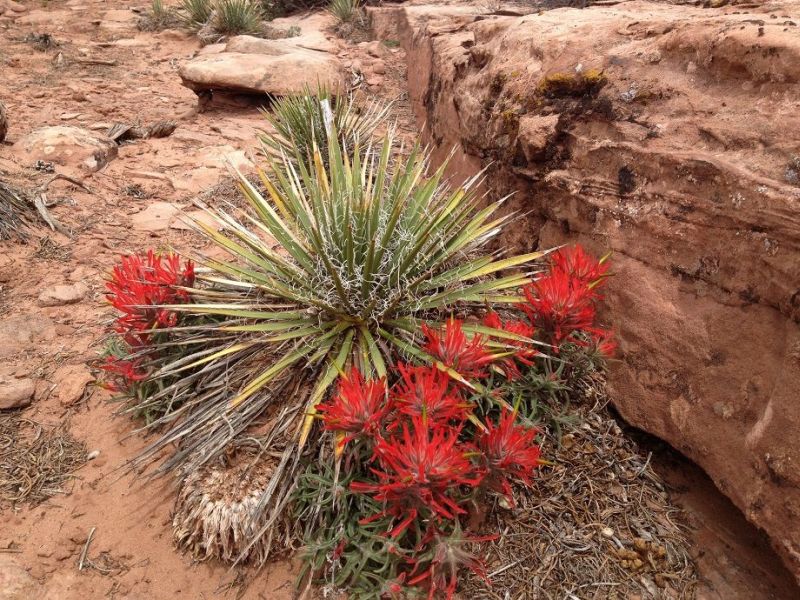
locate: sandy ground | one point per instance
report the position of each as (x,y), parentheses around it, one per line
(132,546)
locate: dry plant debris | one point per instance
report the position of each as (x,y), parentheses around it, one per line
(597,524)
(35,461)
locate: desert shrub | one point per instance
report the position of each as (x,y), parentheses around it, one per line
(237,17)
(345,11)
(334,267)
(302,122)
(196,13)
(368,268)
(160,17)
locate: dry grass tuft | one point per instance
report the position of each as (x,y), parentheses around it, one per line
(35,461)
(598,524)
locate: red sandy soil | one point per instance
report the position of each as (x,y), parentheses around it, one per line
(131,517)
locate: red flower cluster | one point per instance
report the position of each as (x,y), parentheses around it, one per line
(141,286)
(509,451)
(561,302)
(426,392)
(423,467)
(419,473)
(359,408)
(467,357)
(524,352)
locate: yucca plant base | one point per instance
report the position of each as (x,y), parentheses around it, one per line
(215,509)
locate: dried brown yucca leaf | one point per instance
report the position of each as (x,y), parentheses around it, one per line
(214,512)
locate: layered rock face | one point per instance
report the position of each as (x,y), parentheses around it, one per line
(670,135)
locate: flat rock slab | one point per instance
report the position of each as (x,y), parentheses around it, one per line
(60,295)
(155,217)
(16,393)
(277,70)
(71,147)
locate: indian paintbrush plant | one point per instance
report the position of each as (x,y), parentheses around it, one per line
(364,267)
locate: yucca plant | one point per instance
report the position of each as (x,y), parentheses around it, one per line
(237,17)
(196,13)
(345,10)
(301,121)
(337,266)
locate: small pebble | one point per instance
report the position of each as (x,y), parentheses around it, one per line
(607,532)
(93,454)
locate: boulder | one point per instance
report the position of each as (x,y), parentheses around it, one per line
(671,150)
(16,393)
(262,66)
(70,147)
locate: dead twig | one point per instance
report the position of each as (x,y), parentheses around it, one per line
(86,549)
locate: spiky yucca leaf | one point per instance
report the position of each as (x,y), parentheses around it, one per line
(236,17)
(196,13)
(300,121)
(345,10)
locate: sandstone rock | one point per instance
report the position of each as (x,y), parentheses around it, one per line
(71,147)
(71,382)
(59,295)
(535,133)
(378,67)
(15,393)
(24,332)
(276,69)
(156,217)
(376,49)
(15,582)
(693,200)
(314,31)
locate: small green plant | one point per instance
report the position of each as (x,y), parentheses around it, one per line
(302,121)
(160,17)
(345,10)
(237,17)
(196,13)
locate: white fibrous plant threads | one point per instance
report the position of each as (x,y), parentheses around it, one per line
(213,516)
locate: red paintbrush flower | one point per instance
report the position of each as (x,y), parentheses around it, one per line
(426,392)
(558,305)
(445,556)
(358,408)
(582,267)
(140,285)
(604,342)
(468,357)
(524,352)
(123,372)
(420,472)
(509,451)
